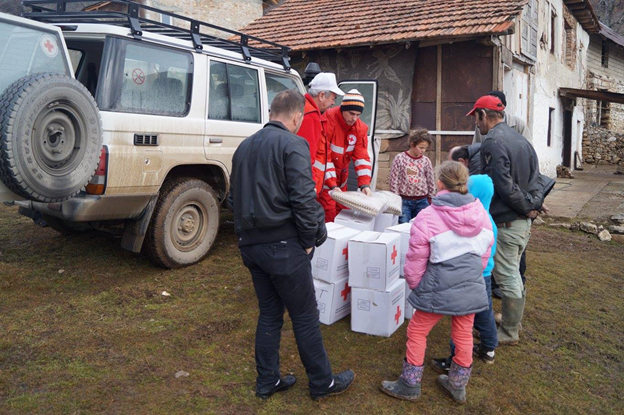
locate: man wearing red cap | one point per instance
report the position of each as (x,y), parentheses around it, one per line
(512,164)
(322,94)
(511,120)
(347,136)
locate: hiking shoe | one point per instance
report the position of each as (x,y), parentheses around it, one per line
(341,383)
(441,366)
(282,385)
(484,354)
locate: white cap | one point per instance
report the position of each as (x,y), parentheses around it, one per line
(326,81)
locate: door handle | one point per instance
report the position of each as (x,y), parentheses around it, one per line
(215,140)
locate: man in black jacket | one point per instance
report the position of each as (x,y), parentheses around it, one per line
(278,222)
(510,160)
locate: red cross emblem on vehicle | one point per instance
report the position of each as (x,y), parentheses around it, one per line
(345,252)
(48,46)
(394,254)
(345,292)
(397,316)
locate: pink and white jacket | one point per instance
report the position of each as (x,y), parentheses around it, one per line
(449,247)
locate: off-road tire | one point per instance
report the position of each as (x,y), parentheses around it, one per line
(184,224)
(50,137)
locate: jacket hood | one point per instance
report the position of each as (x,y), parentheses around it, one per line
(463,214)
(481,187)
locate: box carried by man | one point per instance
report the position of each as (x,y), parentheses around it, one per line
(379,313)
(374,260)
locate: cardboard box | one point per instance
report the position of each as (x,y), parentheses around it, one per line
(379,313)
(409,310)
(374,260)
(333,300)
(385,220)
(404,230)
(355,220)
(330,261)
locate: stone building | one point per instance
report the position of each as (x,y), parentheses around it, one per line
(605,73)
(434,59)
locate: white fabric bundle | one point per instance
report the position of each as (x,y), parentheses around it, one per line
(392,202)
(359,201)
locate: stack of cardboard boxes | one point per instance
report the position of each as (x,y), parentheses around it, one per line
(357,270)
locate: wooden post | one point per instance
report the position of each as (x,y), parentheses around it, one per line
(438,151)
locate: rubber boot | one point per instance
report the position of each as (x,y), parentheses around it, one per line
(509,328)
(407,387)
(455,383)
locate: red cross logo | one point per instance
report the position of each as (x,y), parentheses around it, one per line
(394,254)
(345,252)
(397,316)
(48,45)
(346,292)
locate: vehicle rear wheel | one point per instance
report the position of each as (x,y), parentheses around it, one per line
(50,137)
(184,224)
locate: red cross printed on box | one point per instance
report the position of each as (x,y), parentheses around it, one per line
(345,252)
(397,316)
(394,254)
(345,292)
(48,45)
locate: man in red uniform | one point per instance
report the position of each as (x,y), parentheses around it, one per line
(321,95)
(347,136)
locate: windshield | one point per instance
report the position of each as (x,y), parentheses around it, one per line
(26,51)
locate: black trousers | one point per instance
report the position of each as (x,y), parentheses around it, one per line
(282,278)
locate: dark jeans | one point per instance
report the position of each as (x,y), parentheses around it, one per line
(522,271)
(484,323)
(282,278)
(410,209)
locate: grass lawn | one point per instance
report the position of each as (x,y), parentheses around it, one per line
(84,329)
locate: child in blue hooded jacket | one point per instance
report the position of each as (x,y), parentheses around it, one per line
(481,187)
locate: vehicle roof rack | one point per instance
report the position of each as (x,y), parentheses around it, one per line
(134,16)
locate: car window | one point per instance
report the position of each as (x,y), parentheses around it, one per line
(155,80)
(276,84)
(26,51)
(75,56)
(234,93)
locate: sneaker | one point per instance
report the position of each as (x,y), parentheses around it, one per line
(484,354)
(282,385)
(341,383)
(442,366)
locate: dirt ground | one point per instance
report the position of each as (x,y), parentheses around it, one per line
(84,328)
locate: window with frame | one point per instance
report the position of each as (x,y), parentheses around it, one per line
(234,93)
(278,83)
(605,54)
(553,30)
(551,116)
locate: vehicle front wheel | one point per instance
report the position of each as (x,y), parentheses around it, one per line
(184,224)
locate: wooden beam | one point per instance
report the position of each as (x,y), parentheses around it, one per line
(438,149)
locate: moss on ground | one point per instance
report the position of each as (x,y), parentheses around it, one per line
(85,329)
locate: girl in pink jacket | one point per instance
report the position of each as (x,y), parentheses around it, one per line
(449,247)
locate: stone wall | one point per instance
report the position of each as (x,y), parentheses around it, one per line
(602,146)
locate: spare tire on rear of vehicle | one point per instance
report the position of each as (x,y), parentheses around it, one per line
(50,137)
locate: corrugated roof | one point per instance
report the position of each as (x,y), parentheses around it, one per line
(320,24)
(611,34)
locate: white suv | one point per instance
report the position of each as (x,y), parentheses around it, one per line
(174,105)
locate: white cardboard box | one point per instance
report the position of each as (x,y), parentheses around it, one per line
(385,220)
(409,310)
(404,230)
(333,300)
(330,261)
(374,260)
(379,313)
(355,220)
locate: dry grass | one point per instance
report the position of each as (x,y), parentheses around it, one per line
(99,337)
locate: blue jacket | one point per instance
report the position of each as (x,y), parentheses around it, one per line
(482,187)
